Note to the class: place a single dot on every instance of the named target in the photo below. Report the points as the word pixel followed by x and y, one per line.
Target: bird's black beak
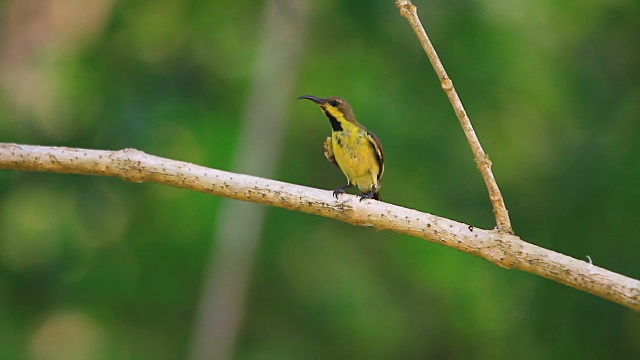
pixel 316 100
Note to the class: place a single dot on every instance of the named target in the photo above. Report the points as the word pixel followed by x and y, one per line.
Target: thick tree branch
pixel 502 249
pixel 410 12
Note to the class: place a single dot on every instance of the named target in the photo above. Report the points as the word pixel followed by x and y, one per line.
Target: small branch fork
pixel 410 12
pixel 502 249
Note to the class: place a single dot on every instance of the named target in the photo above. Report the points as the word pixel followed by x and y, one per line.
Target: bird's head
pixel 333 106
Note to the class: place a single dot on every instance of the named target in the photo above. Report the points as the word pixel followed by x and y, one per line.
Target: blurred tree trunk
pixel 239 225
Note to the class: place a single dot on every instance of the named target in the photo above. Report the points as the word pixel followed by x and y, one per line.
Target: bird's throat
pixel 335 124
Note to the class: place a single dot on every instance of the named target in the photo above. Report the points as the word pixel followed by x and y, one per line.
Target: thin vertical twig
pixel 410 12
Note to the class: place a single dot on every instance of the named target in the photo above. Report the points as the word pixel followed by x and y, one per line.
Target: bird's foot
pixel 340 190
pixel 369 195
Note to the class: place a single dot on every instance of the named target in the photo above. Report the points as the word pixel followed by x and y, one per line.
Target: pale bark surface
pixel 502 249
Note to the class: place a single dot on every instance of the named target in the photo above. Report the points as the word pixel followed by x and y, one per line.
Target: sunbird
pixel 354 149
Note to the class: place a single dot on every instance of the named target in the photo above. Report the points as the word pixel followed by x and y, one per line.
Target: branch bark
pixel 500 248
pixel 410 12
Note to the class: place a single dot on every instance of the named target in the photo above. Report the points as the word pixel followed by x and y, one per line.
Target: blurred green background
pixel 96 268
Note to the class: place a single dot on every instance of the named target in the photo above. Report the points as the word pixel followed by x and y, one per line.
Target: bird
pixel 354 149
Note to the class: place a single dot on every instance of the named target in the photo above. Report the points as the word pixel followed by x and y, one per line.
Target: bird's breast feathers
pixel 356 157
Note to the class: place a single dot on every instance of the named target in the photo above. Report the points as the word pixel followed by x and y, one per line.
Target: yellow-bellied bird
pixel 353 148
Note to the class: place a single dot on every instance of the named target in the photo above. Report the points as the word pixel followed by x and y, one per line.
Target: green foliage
pixel 551 89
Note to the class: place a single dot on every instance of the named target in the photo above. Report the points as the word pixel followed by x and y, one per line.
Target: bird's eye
pixel 335 103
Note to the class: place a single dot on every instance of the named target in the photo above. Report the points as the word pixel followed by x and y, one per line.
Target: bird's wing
pixel 328 150
pixel 377 146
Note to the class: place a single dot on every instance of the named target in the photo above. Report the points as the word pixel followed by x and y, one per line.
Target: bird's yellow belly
pixel 357 160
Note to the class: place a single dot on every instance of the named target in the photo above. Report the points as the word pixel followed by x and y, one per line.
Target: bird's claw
pixel 368 195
